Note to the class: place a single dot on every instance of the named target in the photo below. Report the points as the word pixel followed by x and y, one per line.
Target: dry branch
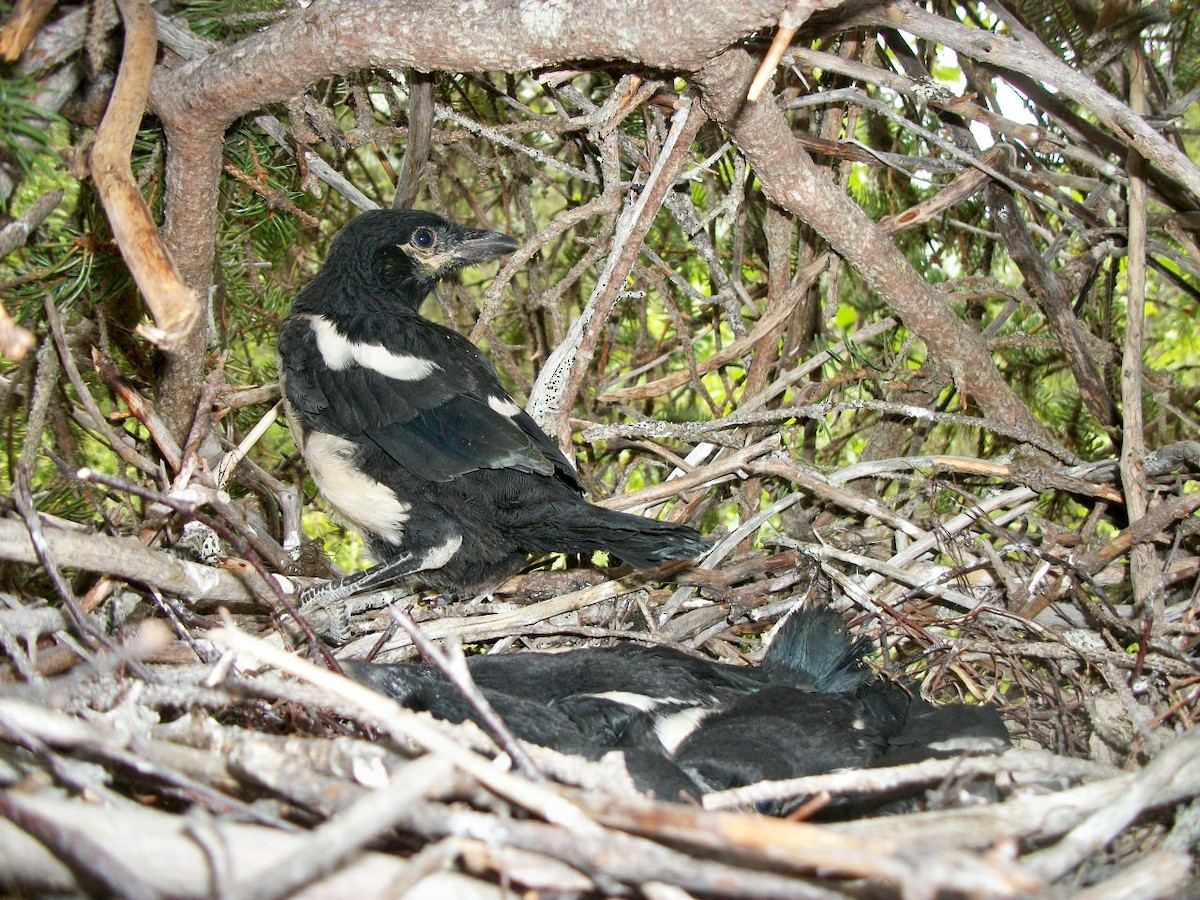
pixel 480 628
pixel 1031 58
pixel 1028 763
pixel 173 305
pixel 405 725
pixel 553 394
pixel 126 558
pixel 20 27
pixel 1144 571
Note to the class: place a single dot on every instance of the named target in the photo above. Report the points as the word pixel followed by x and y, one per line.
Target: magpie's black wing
pixel 421 393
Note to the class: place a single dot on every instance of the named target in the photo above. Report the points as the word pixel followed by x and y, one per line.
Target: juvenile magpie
pixel 694 725
pixel 409 434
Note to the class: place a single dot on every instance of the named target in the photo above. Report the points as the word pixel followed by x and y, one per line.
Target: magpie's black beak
pixel 479 246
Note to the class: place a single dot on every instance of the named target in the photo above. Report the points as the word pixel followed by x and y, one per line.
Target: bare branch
pixel 174 306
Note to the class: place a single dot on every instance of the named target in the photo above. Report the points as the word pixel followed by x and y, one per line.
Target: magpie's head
pixel 402 254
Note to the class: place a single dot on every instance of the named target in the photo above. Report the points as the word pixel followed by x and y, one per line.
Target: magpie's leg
pixel 329 598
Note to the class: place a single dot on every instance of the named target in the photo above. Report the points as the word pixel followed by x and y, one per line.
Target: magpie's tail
pixel 811 649
pixel 641 542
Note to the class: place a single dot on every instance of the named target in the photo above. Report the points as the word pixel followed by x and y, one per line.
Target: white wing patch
pixel 339 353
pixel 968 744
pixel 673 729
pixel 504 406
pixel 640 702
pixel 359 499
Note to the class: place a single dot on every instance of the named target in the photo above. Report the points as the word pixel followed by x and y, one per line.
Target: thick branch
pixel 172 304
pixel 126 558
pixel 330 38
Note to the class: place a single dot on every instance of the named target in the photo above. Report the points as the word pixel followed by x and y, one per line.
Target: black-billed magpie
pixel 692 725
pixel 409 434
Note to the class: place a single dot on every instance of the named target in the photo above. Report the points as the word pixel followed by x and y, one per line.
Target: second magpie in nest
pixel 693 726
pixel 409 434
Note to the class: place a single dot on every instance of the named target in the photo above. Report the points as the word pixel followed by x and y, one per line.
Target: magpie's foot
pixel 330 592
pixel 325 608
pixel 327 603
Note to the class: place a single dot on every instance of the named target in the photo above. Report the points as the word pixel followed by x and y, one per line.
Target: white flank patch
pixel 358 499
pixel 674 729
pixel 442 553
pixel 339 352
pixel 640 702
pixel 504 406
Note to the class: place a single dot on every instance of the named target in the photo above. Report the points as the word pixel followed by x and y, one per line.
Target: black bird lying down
pixel 690 725
pixel 409 435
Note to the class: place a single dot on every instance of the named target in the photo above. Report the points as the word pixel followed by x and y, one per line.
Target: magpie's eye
pixel 423 238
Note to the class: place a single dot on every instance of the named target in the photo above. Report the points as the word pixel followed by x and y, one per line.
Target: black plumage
pixel 692 725
pixel 409 434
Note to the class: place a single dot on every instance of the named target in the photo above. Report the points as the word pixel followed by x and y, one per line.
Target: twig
pixel 1037 763
pixel 453 665
pixel 568 219
pixel 794 15
pixel 99 422
pixel 164 854
pixel 275 199
pixel 119 748
pixel 230 460
pixel 725 467
pixel 1032 817
pixel 480 628
pixel 420 134
pixel 1034 59
pixel 15 340
pixel 141 408
pixel 923 581
pixel 1074 479
pixel 22 25
pixel 47 372
pixel 1159 874
pixel 779 844
pixel 491 134
pixel 800 285
pixel 1141 531
pixel 739 419
pixel 186 504
pixel 813 481
pixel 557 384
pixel 16 233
